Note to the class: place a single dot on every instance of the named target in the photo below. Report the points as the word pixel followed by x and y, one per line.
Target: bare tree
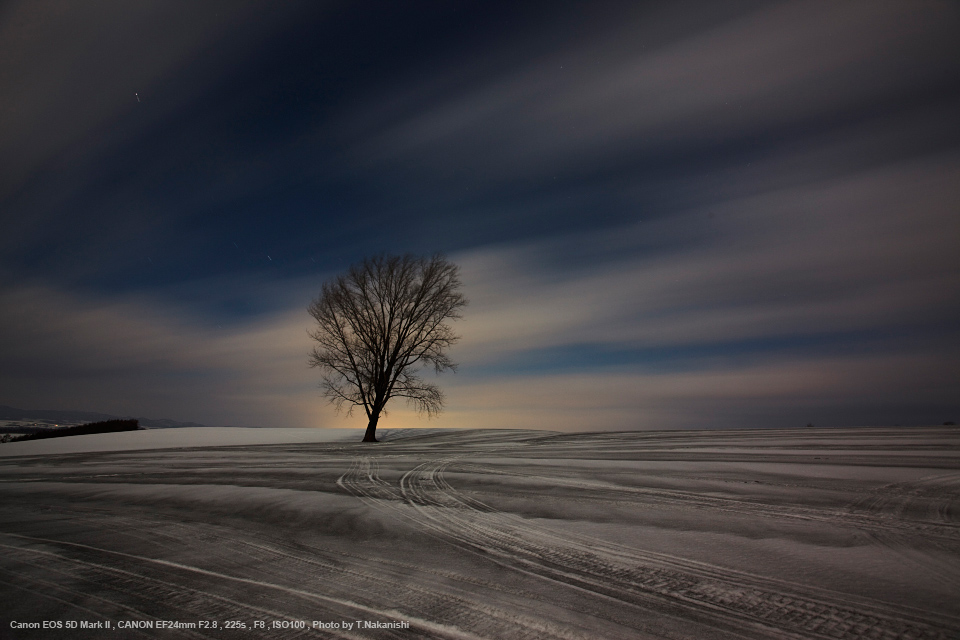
pixel 378 325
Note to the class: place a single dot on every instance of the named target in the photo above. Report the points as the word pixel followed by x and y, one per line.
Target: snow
pixel 491 534
pixel 176 438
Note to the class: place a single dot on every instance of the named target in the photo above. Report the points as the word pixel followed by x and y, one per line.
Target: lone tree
pixel 378 325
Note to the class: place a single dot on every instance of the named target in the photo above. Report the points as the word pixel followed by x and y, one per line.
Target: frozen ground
pixel 812 533
pixel 175 439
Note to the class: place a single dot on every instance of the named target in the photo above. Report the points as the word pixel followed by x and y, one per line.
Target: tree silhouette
pixel 378 325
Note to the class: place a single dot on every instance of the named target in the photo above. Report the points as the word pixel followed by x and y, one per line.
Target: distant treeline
pixel 107 426
pixel 9 429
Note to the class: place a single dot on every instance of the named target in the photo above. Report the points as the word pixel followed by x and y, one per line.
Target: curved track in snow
pixel 484 534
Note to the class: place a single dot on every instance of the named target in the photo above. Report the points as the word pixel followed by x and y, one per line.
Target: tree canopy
pixel 378 325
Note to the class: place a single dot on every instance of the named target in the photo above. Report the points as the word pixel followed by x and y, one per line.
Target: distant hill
pixel 63 418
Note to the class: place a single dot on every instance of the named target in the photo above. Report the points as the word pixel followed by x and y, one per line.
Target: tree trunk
pixel 371 434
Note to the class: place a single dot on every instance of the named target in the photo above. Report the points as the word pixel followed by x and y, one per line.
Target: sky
pixel 667 215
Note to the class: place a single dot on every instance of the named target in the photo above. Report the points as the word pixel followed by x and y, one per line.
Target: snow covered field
pixel 175 439
pixel 812 533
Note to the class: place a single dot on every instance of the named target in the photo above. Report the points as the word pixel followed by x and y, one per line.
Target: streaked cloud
pixel 873 252
pixel 145 356
pixel 861 389
pixel 626 90
pixel 816 264
pixel 686 214
pixel 74 71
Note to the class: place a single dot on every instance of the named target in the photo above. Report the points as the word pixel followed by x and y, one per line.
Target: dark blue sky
pixel 667 214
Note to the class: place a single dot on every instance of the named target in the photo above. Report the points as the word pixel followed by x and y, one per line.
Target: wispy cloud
pixel 777 392
pixel 693 214
pixel 84 91
pixel 846 286
pixel 73 71
pixel 793 298
pixel 145 356
pixel 625 90
pixel 873 252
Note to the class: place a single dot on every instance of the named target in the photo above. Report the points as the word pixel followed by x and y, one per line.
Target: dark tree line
pixel 106 426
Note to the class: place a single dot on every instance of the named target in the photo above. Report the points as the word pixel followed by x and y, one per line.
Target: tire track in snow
pixel 201 604
pixel 277 550
pixel 227 547
pixel 593 599
pixel 735 597
pixel 232 607
pixel 391 500
pixel 36 593
pixel 864 515
pixel 931 499
pixel 363 481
